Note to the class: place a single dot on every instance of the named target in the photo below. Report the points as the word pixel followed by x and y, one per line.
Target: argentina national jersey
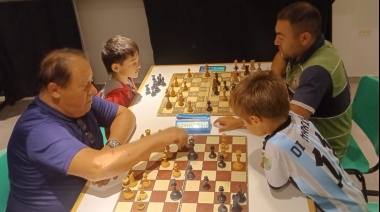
pixel 298 151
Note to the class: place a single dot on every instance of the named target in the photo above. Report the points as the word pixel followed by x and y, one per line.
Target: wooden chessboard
pixel 194 197
pixel 200 91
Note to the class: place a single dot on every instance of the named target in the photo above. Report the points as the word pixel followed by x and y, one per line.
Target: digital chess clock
pixel 194 124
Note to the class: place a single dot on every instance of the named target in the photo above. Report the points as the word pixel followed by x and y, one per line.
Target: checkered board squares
pixel 194 197
pixel 199 92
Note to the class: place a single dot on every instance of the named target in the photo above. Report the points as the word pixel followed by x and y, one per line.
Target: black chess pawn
pixel 206 185
pixel 147 90
pixel 225 87
pixel 240 194
pixel 212 153
pixel 175 194
pixel 222 208
pixel 190 174
pixel 221 196
pixel 163 83
pixel 216 90
pixel 192 155
pixel 246 72
pixel 209 108
pixel 221 163
pixel 236 207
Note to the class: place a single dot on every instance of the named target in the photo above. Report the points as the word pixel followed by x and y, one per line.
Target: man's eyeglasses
pixel 88 134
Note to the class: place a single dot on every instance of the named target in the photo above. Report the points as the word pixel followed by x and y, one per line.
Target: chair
pixel 104 135
pixel 365 113
pixel 4 180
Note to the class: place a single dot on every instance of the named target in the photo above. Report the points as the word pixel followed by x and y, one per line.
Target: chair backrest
pixel 365 109
pixel 4 180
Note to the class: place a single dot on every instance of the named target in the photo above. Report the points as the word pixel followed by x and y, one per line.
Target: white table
pixel 261 197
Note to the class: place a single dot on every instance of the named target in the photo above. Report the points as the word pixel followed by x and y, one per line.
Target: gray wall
pixel 100 19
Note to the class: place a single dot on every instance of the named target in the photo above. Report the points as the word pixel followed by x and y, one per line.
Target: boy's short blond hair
pixel 263 94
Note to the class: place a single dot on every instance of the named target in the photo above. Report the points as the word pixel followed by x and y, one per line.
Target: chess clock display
pixel 194 123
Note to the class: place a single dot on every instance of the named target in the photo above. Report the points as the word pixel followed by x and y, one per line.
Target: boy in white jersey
pixel 293 151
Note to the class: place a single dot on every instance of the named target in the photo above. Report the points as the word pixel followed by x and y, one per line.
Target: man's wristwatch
pixel 113 143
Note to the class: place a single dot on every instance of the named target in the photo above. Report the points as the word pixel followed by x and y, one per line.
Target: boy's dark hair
pixel 55 67
pixel 303 17
pixel 116 50
pixel 262 94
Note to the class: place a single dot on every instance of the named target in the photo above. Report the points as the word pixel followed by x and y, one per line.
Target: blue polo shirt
pixel 40 150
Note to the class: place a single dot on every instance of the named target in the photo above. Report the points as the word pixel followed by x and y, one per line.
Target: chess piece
pixel 222 208
pixel 216 91
pixel 142 135
pixel 167 94
pixel 243 66
pixel 252 65
pixel 143 195
pixel 192 155
pixel 235 65
pixel 145 182
pixel 163 83
pixel 240 194
pixel 128 193
pixel 221 163
pixel 238 165
pixel 147 92
pixel 217 79
pixel 236 207
pixel 188 73
pixel 212 153
pixel 132 180
pixel 223 151
pixel 176 81
pixel 207 73
pixel 189 108
pixel 185 88
pixel 175 194
pixel 172 92
pixel 168 104
pixel 206 185
pixel 140 204
pixel 190 174
pixel 224 97
pixel 246 72
pixel 224 141
pixel 165 163
pixel 259 68
pixel 176 172
pixel 147 132
pixel 180 100
pixel 209 108
pixel 221 196
pixel 168 153
pixel 225 87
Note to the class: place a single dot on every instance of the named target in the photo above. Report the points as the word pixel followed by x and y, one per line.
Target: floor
pixel 10 114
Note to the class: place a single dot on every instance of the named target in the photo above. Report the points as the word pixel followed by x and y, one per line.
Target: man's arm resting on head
pixel 279 64
pixel 95 165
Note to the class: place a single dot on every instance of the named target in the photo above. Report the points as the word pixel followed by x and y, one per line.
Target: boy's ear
pixel 115 67
pixel 255 120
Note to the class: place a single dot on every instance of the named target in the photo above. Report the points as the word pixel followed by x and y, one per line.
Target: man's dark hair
pixel 303 17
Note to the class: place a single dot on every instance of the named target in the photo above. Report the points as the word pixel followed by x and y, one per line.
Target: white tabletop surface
pixel 261 197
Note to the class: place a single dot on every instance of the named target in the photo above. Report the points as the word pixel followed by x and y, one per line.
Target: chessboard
pixel 193 192
pixel 198 89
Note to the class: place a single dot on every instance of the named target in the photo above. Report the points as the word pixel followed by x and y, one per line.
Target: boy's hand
pixel 228 123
